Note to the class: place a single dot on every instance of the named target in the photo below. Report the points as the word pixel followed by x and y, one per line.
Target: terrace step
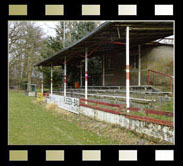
pixel 132 88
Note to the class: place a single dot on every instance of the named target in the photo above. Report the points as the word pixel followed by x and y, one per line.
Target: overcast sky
pixel 48 27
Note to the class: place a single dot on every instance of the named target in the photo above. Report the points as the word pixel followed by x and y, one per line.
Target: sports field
pixel 33 123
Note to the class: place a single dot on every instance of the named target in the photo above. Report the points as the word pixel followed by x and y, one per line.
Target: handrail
pixel 102 103
pixel 150 111
pixel 120 106
pixel 122 111
pixel 160 73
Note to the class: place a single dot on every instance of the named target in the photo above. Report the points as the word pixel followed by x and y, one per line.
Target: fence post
pixel 171 89
pixel 86 74
pixel 146 112
pixel 96 104
pixel 120 108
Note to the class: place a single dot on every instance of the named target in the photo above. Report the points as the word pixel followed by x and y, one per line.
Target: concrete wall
pixel 159 58
pixel 161 132
pixel 68 103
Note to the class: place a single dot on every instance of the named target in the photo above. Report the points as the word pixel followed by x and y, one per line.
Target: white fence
pixel 69 103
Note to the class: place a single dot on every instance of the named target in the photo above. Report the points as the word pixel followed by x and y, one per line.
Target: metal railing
pixel 120 109
pixel 162 74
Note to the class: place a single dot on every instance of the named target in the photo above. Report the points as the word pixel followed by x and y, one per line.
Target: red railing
pixel 123 111
pixel 97 103
pixel 146 118
pixel 163 74
pixel 150 111
pixel 46 94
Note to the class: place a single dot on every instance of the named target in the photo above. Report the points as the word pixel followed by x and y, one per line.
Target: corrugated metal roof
pixel 103 38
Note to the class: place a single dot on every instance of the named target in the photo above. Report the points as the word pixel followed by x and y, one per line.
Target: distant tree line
pixel 28 46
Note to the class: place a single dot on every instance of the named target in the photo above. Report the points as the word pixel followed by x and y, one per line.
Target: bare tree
pixel 25 48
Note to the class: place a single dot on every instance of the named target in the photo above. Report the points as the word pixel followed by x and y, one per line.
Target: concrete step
pixel 132 88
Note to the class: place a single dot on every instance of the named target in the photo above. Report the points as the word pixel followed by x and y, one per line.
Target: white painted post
pixel 65 76
pixel 127 70
pixel 65 65
pixel 103 66
pixel 86 74
pixel 51 79
pixel 81 84
pixel 42 86
pixel 139 66
pixel 64 36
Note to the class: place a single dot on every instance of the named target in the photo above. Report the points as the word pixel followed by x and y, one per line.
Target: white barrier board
pixel 68 103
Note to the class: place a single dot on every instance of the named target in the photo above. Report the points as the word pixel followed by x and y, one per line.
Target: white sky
pixel 48 27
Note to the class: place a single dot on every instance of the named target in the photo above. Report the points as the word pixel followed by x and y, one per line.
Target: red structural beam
pixel 96 48
pixel 102 43
pixel 118 43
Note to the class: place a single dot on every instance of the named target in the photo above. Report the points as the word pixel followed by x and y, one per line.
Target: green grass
pixel 168 106
pixel 31 124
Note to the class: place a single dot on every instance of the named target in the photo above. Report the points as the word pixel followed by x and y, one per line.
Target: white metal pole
pixel 86 74
pixel 64 36
pixel 51 79
pixel 127 69
pixel 81 84
pixel 139 66
pixel 42 86
pixel 103 66
pixel 65 67
pixel 65 76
